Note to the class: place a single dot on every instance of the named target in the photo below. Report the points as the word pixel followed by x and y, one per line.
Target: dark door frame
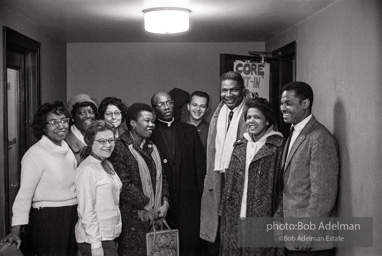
pixel 31 95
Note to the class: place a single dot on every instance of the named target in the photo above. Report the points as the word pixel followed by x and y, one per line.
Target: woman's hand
pixel 97 252
pixel 153 215
pixel 13 237
pixel 162 211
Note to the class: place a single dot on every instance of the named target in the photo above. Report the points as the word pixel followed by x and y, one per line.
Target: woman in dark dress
pixel 144 195
pixel 253 185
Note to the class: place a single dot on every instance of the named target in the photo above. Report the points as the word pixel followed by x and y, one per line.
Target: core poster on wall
pixel 255 75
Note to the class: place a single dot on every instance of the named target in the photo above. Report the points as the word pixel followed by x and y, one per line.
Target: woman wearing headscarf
pixel 253 185
pixel 113 111
pixel 144 196
pixel 47 197
pixel 98 189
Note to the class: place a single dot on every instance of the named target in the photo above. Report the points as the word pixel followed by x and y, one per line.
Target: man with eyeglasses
pixel 84 111
pixel 183 160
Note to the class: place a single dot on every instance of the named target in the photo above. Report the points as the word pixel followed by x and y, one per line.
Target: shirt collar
pixel 235 109
pixel 169 123
pixel 298 127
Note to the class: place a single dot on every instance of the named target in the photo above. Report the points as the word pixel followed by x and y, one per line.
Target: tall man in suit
pixel 311 164
pixel 226 127
pixel 184 162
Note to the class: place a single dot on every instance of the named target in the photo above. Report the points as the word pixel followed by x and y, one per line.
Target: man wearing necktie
pixel 310 165
pixel 227 125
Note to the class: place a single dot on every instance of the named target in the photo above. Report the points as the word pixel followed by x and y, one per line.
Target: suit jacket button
pixel 258 202
pixel 261 173
pixel 165 161
pixel 229 198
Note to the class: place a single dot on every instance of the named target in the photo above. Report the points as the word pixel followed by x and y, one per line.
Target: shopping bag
pixel 163 242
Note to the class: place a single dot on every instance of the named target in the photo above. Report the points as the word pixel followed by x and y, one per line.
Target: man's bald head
pixel 163 105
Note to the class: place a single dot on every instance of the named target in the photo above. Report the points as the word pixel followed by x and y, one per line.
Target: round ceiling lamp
pixel 166 20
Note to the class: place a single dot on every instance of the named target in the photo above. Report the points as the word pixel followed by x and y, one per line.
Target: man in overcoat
pixel 310 165
pixel 184 160
pixel 227 125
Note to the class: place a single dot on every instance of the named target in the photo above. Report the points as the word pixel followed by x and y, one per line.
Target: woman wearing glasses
pixel 144 196
pixel 47 185
pixel 98 189
pixel 113 111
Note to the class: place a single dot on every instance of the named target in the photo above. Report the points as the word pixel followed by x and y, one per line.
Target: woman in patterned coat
pixel 144 195
pixel 253 185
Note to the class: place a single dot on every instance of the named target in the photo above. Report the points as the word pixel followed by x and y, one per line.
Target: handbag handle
pixel 165 223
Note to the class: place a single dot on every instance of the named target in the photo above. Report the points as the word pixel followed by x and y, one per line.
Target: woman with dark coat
pixel 144 195
pixel 253 185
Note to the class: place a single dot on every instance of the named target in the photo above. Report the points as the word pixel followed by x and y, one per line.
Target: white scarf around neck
pixel 225 139
pixel 253 148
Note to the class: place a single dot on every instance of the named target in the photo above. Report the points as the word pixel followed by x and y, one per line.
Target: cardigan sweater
pixel 98 204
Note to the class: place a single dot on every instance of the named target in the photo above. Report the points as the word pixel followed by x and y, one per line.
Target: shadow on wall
pixel 344 207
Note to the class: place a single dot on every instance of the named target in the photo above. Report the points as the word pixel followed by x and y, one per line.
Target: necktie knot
pixel 229 118
pixel 291 131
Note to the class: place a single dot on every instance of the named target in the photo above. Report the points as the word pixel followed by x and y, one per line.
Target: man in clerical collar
pixel 83 111
pixel 184 163
pixel 227 125
pixel 197 108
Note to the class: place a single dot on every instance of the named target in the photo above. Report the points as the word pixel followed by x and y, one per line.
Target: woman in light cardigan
pixel 47 185
pixel 98 189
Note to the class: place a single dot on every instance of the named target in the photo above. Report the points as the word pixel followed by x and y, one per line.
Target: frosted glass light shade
pixel 166 20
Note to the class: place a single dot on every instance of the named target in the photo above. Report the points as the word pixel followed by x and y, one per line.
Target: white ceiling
pixel 122 20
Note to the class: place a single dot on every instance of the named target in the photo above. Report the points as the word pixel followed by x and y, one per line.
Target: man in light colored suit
pixel 311 164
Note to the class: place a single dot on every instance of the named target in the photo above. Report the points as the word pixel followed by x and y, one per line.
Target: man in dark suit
pixel 184 161
pixel 311 165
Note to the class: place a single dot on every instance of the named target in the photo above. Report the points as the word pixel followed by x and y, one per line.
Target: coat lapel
pixel 300 138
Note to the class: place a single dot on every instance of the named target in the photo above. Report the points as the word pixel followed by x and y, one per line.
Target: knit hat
pixel 79 99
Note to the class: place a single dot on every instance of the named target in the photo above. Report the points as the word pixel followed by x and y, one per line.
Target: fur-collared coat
pixel 264 196
pixel 75 145
pixel 132 240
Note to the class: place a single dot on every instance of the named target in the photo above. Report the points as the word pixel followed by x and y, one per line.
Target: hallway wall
pixel 339 54
pixel 135 71
pixel 53 75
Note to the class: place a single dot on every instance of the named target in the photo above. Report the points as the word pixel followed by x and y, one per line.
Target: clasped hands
pixel 159 213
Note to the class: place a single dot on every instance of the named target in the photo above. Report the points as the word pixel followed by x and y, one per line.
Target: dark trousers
pixel 109 249
pixel 53 230
pixel 330 252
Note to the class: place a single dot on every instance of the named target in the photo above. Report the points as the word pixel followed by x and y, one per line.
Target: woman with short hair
pixel 113 111
pixel 253 185
pixel 98 189
pixel 47 185
pixel 145 194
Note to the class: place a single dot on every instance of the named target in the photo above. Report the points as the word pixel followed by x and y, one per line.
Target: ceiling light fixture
pixel 166 20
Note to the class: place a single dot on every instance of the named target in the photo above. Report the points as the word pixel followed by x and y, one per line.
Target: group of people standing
pixel 100 176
